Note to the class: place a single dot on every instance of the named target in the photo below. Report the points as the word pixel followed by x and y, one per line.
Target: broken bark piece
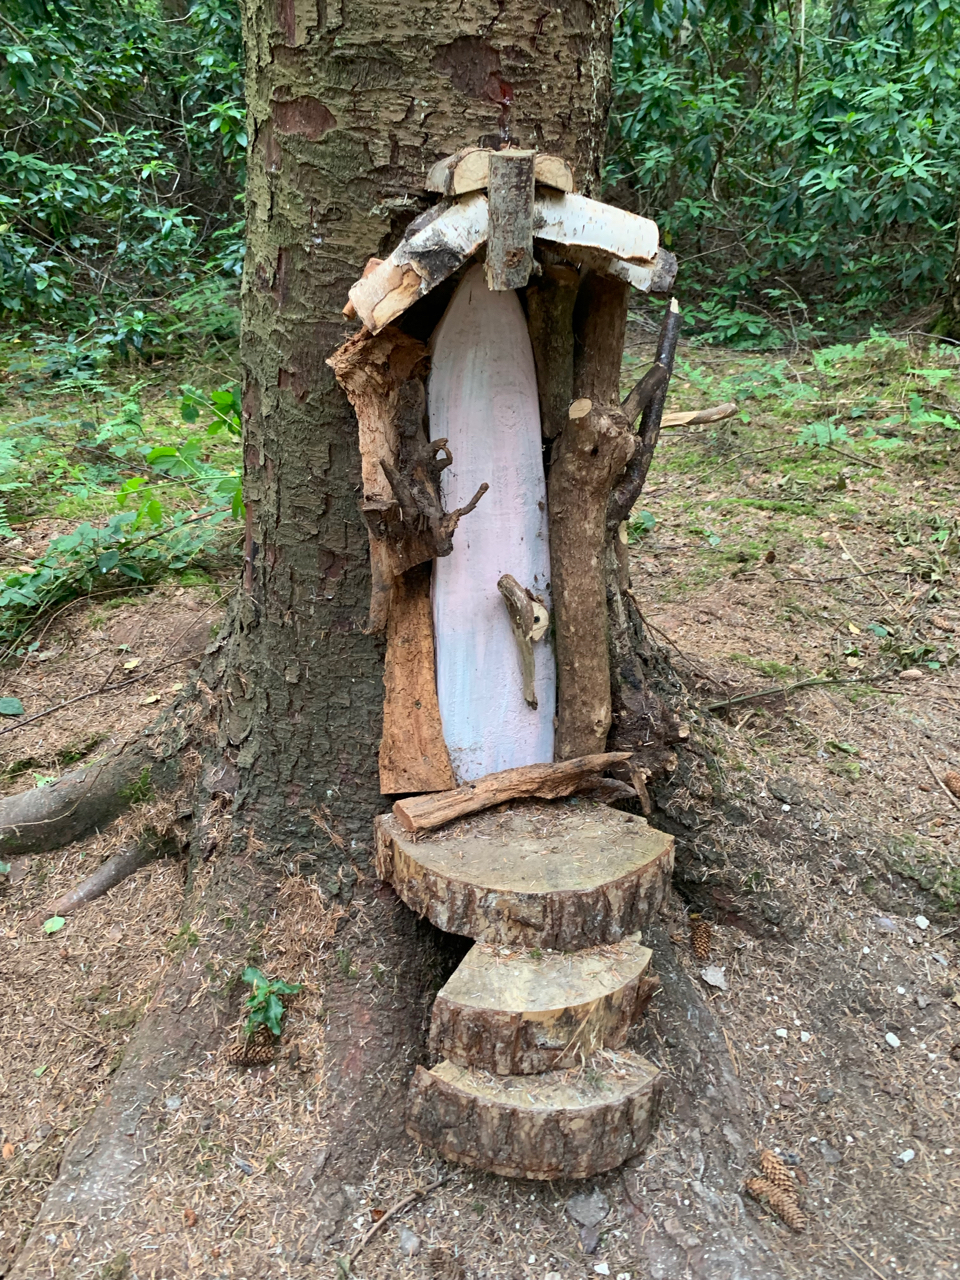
pixel 374 370
pixel 550 300
pixel 469 170
pixel 382 375
pixel 526 1012
pixel 510 229
pixel 557 1125
pixel 529 619
pixel 577 220
pixel 656 277
pixel 552 876
pixel 413 754
pixel 435 245
pixel 548 781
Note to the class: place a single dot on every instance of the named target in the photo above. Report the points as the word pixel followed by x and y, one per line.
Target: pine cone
pixel 256 1050
pixel 777 1173
pixel 951 780
pixel 783 1203
pixel 700 938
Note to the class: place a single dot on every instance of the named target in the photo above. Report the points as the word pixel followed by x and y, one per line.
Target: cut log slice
pixel 526 1012
pixel 561 876
pixel 559 1125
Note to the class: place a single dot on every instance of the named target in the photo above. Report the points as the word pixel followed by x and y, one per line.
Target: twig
pixel 852 557
pixel 91 693
pixel 847 577
pixel 392 1213
pixel 859 1256
pixel 704 675
pixel 942 785
pixel 813 683
pixel 864 462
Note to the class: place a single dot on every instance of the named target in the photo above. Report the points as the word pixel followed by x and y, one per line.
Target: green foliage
pixel 803 160
pixel 122 154
pixel 264 1001
pixel 54 924
pixel 11 707
pixel 169 486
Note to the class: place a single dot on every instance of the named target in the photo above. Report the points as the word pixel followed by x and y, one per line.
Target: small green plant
pixel 640 526
pixel 345 963
pixel 264 1003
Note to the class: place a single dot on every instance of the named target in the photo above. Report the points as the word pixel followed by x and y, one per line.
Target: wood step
pixel 564 1124
pixel 562 875
pixel 524 1012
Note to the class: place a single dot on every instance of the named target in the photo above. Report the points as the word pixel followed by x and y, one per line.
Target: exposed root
pixel 49 817
pixel 109 875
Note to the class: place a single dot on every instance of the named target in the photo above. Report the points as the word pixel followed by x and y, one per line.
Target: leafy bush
pixel 803 159
pixel 122 155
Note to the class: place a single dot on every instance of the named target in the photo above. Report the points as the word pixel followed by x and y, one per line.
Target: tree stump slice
pixel 526 1012
pixel 560 876
pixel 562 1124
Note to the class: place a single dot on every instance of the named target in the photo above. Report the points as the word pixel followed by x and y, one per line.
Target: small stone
pixel 826 1095
pixel 588 1209
pixel 892 1040
pixel 589 1239
pixel 922 1001
pixel 771 911
pixel 911 673
pixel 409 1243
pixel 781 1032
pixel 553 1275
pixel 601 1269
pixel 901 991
pixel 714 977
pixel 886 924
pixel 921 922
pixel 906 1156
pixel 830 1154
pixel 789 1101
pixel 805 1037
pixel 173 1103
pixel 243 1165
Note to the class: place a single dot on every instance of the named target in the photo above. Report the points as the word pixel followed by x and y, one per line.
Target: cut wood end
pixel 468 170
pixel 546 1126
pixel 579 409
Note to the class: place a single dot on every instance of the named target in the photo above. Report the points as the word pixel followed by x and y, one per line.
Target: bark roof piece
pixel 445 237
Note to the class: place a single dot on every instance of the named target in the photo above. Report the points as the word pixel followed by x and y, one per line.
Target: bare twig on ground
pixel 392 1212
pixel 852 557
pixel 813 683
pixel 91 693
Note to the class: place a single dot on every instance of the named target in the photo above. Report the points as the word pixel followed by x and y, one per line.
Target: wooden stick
pixel 626 493
pixel 695 417
pixel 641 395
pixel 391 1213
pixel 547 781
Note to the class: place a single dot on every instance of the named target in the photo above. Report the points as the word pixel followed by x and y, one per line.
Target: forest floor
pixel 812 538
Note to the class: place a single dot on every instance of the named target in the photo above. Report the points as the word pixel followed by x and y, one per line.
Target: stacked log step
pixel 533 1081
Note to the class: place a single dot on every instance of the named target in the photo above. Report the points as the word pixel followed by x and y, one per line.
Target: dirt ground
pixel 820 845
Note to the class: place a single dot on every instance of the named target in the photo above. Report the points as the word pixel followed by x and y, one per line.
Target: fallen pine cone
pixel 254 1051
pixel 951 780
pixel 777 1173
pixel 783 1204
pixel 700 938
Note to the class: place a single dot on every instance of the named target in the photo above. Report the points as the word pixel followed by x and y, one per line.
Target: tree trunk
pixel 348 112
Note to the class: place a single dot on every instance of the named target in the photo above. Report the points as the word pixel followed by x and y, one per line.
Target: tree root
pixel 83 800
pixel 110 874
